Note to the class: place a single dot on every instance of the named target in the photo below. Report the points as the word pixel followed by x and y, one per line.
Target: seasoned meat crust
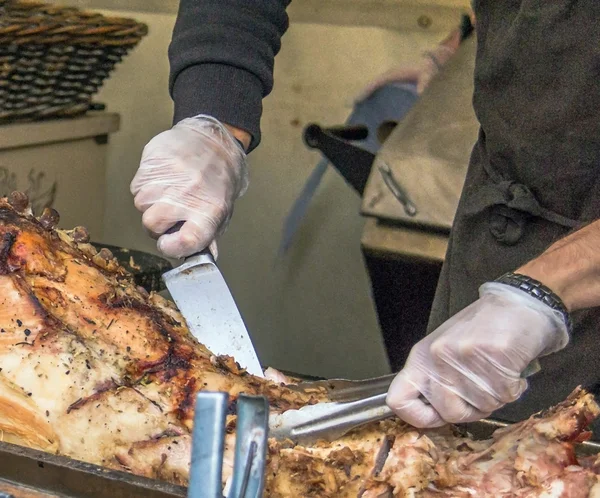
pixel 93 368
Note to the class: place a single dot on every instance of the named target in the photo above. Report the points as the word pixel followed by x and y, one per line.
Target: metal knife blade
pixel 204 299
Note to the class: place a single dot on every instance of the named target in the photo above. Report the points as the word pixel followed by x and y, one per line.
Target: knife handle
pixel 206 252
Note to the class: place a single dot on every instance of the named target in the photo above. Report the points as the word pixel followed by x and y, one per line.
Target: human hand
pixel 419 74
pixel 471 365
pixel 192 173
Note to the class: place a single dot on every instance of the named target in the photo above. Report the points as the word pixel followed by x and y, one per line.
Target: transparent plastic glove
pixel 471 365
pixel 192 173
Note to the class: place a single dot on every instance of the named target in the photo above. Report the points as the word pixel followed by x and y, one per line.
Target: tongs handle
pixel 348 390
pixel 332 420
pixel 343 390
pixel 208 442
pixel 208 446
pixel 327 421
pixel 346 417
pixel 250 447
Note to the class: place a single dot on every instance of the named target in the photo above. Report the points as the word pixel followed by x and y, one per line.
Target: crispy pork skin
pixel 93 368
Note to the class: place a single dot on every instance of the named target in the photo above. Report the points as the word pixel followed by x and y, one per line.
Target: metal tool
pixel 330 421
pixel 327 421
pixel 201 294
pixel 25 472
pixel 388 178
pixel 208 446
pixel 250 447
pixel 351 148
pixel 346 390
pixel 343 390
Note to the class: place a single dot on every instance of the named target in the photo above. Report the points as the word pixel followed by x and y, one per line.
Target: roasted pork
pixel 93 368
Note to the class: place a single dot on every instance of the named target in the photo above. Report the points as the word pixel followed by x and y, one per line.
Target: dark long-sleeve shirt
pixel 222 55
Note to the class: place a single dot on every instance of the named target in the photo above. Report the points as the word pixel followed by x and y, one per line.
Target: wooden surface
pixel 60 164
pixel 428 152
pixel 395 241
pixel 57 130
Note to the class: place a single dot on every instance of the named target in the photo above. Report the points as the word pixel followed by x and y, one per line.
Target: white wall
pixel 312 311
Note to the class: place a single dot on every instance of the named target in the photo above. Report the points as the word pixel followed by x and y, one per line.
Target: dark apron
pixel 534 174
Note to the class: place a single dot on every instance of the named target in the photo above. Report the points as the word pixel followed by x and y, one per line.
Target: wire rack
pixel 54 59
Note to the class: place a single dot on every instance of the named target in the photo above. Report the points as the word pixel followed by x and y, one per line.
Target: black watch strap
pixel 538 290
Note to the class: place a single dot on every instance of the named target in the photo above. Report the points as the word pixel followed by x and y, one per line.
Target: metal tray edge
pixel 73 478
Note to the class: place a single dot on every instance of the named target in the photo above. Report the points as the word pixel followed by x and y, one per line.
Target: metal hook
pixel 409 208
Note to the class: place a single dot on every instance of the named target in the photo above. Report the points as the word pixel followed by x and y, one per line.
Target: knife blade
pixel 205 301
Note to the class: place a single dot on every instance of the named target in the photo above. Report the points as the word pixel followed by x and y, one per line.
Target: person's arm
pixel 221 56
pixel 473 363
pixel 427 68
pixel 571 268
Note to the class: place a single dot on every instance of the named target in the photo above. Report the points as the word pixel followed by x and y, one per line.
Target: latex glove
pixel 471 365
pixel 192 173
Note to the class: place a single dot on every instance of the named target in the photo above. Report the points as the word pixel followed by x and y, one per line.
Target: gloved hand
pixel 192 173
pixel 471 365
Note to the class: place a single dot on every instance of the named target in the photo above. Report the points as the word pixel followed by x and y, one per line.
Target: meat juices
pixel 93 368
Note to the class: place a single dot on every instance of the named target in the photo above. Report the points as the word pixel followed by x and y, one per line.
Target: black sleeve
pixel 221 58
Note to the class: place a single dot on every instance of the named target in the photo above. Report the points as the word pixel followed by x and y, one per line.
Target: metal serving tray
pixel 26 473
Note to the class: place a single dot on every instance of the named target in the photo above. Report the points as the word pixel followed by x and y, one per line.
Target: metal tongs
pixel 208 446
pixel 327 421
pixel 354 403
pixel 346 390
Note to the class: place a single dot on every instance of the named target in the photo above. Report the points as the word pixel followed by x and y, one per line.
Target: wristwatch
pixel 539 291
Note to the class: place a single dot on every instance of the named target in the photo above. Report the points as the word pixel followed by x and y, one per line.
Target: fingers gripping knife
pixel 208 447
pixel 201 294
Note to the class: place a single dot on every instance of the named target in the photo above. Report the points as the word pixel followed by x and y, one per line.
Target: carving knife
pixel 205 301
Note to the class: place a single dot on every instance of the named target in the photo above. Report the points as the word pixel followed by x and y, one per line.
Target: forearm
pixel 243 136
pixel 571 268
pixel 222 57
